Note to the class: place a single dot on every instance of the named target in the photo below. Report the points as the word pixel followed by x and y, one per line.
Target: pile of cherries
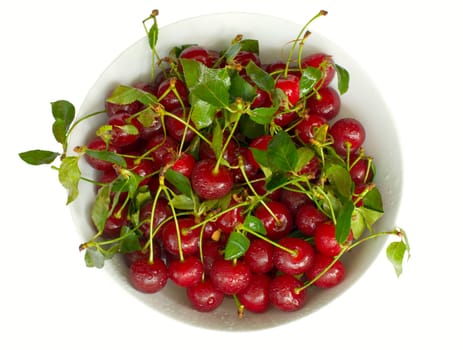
pixel 192 198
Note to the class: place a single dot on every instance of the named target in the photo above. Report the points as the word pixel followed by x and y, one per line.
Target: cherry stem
pixel 224 148
pixel 298 38
pixel 88 116
pixel 268 240
pixel 153 210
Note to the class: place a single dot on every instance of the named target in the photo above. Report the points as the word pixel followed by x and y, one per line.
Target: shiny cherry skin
pixel 326 104
pixel 230 277
pixel 184 164
pixel 162 211
pixel 186 273
pixel 125 129
pixel 331 278
pixel 189 237
pixel 204 296
pixel 362 171
pixel 308 217
pixel 148 277
pixel 283 294
pixel 97 144
pixel 305 129
pixel 290 87
pixel 259 256
pixel 293 264
pixel 275 229
pixel 323 62
pixel 255 297
pixel 209 184
pixel 173 99
pixel 325 239
pixel 199 54
pixel 348 134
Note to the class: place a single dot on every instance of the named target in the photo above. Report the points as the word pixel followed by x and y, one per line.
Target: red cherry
pixel 185 164
pixel 308 217
pixel 189 237
pixel 148 277
pixel 347 131
pixel 210 185
pixel 97 144
pixel 283 293
pixel 305 129
pixel 259 256
pixel 230 277
pixel 332 277
pixel 255 297
pixel 290 86
pixel 325 239
pixel 323 62
pixel 186 273
pixel 293 264
pixel 276 229
pixel 204 297
pixel 326 104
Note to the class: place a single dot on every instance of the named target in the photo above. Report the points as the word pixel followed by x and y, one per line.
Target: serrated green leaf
pixel 236 246
pixel 108 156
pixel 179 181
pixel 343 79
pixel 100 208
pixel 240 88
pixel 254 224
pixel 250 45
pixel 208 84
pixel 130 241
pixel 282 152
pixel 63 110
pixel 183 202
pixel 370 216
pixel 304 156
pixel 340 179
pixel 69 176
pixel 260 156
pixel 343 221
pixel 395 253
pixel 373 200
pixel 263 115
pixel 309 78
pixel 94 258
pixel 260 77
pixel 250 128
pixel 124 95
pixel 276 179
pixel 358 225
pixel 202 113
pixel 38 157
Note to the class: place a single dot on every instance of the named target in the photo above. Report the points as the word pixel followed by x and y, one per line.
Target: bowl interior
pixel 362 101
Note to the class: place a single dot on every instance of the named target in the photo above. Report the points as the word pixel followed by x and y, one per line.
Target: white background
pixel 56 50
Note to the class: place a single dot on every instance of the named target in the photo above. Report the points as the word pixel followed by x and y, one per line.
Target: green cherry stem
pixel 268 240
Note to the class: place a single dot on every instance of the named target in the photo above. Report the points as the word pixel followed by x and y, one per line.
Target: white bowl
pixel 362 101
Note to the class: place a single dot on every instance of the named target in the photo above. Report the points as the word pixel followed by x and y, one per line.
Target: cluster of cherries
pixel 187 245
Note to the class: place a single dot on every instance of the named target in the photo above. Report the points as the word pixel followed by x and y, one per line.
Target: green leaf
pixel 130 241
pixel 254 224
pixel 259 76
pixel 108 156
pixel 100 209
pixel 59 130
pixel 63 110
pixel 250 128
pixel 38 157
pixel 250 45
pixel 343 79
pixel 239 87
pixel 202 113
pixel 282 152
pixel 153 34
pixel 260 157
pixel 395 253
pixel 180 182
pixel 304 156
pixel 217 139
pixel 263 115
pixel 340 179
pixel 69 176
pixel 236 246
pixel 276 179
pixel 309 78
pixel 183 202
pixel 358 225
pixel 208 84
pixel 232 51
pixel 370 216
pixel 94 258
pixel 343 221
pixel 373 200
pixel 124 95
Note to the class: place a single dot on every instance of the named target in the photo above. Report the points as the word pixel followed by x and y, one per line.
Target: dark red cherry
pixel 362 171
pixel 284 295
pixel 142 167
pixel 308 217
pixel 231 218
pixel 325 239
pixel 230 277
pixel 161 212
pixel 186 273
pixel 348 133
pixel 259 256
pixel 148 277
pixel 323 62
pixel 293 199
pixel 305 129
pixel 290 87
pixel 178 129
pixel 204 296
pixel 199 54
pixel 116 220
pixel 293 263
pixel 244 57
pixel 332 277
pixel 209 184
pixel 326 104
pixel 255 297
pixel 163 149
pixel 189 237
pixel 125 129
pixel 97 144
pixel 184 164
pixel 175 98
pixel 278 224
